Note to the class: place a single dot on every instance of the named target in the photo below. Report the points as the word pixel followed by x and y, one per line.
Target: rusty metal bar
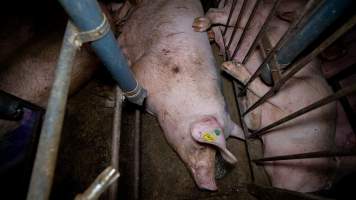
pixel 339 94
pixel 302 62
pixel 137 159
pixel 317 154
pixel 239 17
pixel 230 14
pixel 292 28
pixel 46 155
pixel 239 42
pixel 115 146
pixel 261 31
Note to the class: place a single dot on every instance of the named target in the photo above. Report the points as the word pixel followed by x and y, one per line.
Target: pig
pixel 176 66
pixel 29 72
pixel 314 131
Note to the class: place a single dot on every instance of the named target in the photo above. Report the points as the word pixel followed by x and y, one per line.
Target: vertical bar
pixel 116 133
pixel 46 157
pixel 339 94
pixel 303 61
pixel 317 154
pixel 292 28
pixel 237 23
pixel 87 16
pixel 137 158
pixel 261 31
pixel 230 14
pixel 239 42
pixel 244 129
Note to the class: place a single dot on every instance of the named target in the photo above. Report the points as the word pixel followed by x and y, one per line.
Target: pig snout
pixel 200 160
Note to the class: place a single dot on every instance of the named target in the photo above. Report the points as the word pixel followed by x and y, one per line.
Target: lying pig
pixel 176 66
pixel 313 131
pixel 28 73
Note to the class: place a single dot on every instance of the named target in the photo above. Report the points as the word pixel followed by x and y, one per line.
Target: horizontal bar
pixel 237 23
pixel 339 94
pixel 292 28
pixel 317 154
pixel 238 45
pixel 273 193
pixel 303 61
pixel 234 2
pixel 46 156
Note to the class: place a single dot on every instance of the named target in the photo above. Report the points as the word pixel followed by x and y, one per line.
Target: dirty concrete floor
pixel 85 148
pixel 85 151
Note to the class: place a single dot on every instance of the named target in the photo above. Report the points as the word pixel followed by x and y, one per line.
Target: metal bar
pixel 137 159
pixel 239 42
pixel 244 128
pixel 265 47
pixel 100 184
pixel 87 16
pixel 334 82
pixel 46 157
pixel 303 61
pixel 273 193
pixel 323 17
pixel 292 28
pixel 317 154
pixel 261 31
pixel 239 17
pixel 339 94
pixel 230 14
pixel 115 146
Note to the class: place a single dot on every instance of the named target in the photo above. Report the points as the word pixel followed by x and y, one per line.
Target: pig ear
pixel 216 138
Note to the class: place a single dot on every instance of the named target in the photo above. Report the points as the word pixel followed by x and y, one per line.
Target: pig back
pixel 174 63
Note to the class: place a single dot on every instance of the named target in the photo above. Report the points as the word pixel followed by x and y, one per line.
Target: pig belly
pixel 313 131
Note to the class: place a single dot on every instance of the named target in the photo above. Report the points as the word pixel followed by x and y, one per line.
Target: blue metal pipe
pixel 87 15
pixel 327 13
pixel 304 35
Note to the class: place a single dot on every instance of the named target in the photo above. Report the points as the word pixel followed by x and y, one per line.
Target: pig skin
pixel 29 72
pixel 314 131
pixel 177 67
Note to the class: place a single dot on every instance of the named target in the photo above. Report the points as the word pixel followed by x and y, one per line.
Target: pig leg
pixel 213 16
pixel 252 119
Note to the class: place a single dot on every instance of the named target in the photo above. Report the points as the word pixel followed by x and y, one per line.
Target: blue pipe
pixel 327 14
pixel 87 15
pixel 304 35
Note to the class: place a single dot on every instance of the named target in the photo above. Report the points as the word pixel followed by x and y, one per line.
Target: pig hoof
pixel 211 36
pixel 201 24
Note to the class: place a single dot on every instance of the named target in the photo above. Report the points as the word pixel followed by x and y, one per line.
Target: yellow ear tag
pixel 208 137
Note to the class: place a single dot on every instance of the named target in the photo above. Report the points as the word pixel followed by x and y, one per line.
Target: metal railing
pixel 285 71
